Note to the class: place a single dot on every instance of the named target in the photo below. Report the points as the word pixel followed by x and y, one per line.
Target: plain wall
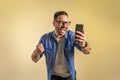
pixel 22 22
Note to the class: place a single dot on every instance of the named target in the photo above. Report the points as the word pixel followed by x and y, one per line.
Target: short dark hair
pixel 58 13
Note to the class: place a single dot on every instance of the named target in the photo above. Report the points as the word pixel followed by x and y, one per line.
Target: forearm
pixel 35 56
pixel 86 49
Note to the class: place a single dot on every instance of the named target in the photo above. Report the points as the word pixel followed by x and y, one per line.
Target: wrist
pixel 86 44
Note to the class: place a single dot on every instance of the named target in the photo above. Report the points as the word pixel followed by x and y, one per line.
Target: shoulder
pixel 47 35
pixel 70 33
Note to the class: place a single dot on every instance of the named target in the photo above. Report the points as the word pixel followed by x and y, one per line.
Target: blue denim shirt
pixel 50 46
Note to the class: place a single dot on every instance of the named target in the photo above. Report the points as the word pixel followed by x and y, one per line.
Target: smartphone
pixel 79 27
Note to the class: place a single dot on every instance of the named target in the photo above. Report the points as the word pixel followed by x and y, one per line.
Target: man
pixel 58 48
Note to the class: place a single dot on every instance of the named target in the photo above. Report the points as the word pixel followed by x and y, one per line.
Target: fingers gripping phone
pixel 79 27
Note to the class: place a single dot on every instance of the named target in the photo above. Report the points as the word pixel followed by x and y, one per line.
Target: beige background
pixel 22 22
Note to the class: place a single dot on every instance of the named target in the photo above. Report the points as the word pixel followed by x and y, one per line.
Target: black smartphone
pixel 79 27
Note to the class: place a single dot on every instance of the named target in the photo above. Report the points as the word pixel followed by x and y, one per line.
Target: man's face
pixel 61 25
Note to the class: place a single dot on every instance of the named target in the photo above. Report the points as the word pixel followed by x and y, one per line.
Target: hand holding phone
pixel 79 27
pixel 80 38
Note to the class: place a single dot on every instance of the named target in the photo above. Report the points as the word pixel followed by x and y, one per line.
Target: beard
pixel 61 31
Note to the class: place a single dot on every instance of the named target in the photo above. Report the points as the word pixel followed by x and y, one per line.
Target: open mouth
pixel 62 30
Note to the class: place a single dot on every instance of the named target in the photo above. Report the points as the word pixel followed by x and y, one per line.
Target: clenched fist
pixel 40 48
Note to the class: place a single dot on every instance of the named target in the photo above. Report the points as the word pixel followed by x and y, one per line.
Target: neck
pixel 58 36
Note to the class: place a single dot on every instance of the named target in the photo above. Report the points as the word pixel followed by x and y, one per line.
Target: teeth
pixel 62 29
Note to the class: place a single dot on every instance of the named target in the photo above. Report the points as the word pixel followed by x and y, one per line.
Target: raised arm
pixel 36 54
pixel 80 38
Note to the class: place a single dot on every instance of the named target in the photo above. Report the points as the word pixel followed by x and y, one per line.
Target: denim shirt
pixel 50 46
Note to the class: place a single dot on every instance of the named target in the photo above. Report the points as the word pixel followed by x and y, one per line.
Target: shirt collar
pixel 66 35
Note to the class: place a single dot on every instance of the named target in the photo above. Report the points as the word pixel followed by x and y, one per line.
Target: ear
pixel 54 23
